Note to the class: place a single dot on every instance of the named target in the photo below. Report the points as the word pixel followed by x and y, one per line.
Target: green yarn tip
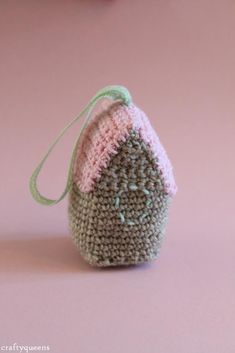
pixel 116 93
pixel 111 92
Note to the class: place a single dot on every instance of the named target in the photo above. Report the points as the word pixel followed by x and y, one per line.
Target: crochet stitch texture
pixel 122 188
pixel 120 183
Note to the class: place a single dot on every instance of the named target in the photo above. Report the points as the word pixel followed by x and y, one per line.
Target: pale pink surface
pixel 101 140
pixel 177 58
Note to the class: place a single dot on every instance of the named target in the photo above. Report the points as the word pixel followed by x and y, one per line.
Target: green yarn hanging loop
pixel 111 92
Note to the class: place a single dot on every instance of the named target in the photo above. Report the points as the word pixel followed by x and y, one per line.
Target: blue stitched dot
pixel 130 223
pixel 143 216
pixel 122 217
pixel 117 202
pixel 133 187
pixel 145 191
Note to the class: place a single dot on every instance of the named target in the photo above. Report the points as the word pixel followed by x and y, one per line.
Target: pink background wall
pixel 178 60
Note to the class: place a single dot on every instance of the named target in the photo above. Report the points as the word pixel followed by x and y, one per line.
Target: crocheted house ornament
pixel 120 184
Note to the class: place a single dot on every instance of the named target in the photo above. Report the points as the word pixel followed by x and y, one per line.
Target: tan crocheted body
pixel 123 219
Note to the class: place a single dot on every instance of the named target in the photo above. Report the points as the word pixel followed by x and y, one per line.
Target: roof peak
pixel 101 140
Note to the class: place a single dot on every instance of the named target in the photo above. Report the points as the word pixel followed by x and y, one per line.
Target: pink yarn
pixel 101 140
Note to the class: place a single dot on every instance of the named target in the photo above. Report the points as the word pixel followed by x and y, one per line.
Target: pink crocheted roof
pixel 102 137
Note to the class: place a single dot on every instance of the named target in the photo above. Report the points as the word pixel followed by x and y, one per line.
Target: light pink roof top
pixel 101 139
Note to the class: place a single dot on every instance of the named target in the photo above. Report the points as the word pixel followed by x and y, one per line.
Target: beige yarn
pixel 111 233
